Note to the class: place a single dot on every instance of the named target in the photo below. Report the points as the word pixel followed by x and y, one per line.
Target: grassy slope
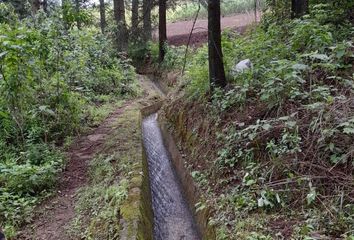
pixel 273 151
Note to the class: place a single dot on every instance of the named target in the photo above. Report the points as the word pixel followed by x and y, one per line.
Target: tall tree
pixel 36 5
pixel 255 10
pixel 147 6
pixel 19 7
pixel 103 22
pixel 45 5
pixel 162 29
pixel 119 16
pixel 216 65
pixel 77 10
pixel 299 8
pixel 135 14
pixel 64 4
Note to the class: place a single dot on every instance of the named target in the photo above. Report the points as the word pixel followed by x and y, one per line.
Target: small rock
pixel 241 66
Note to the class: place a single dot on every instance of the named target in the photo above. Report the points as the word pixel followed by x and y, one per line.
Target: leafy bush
pixel 49 75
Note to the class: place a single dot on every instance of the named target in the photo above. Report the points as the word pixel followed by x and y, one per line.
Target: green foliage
pixel 243 143
pixel 106 200
pixel 103 204
pixel 50 79
pixel 186 11
pixel 197 73
pixel 31 174
pixel 310 35
pixel 336 12
pixel 7 14
pixel 174 57
pixel 284 124
pixel 141 51
pixel 71 16
pixel 21 7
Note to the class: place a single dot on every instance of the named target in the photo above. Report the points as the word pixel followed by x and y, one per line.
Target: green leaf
pixel 340 53
pixel 311 196
pixel 3 54
pixel 200 206
pixel 266 126
pixel 322 57
pixel 299 66
pixel 250 182
pixel 46 110
pixel 348 130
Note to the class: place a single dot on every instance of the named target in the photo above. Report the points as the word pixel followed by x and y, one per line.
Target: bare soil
pixel 178 32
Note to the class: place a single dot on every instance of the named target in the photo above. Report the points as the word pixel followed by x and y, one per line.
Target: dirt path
pixel 178 32
pixel 52 218
pixel 54 214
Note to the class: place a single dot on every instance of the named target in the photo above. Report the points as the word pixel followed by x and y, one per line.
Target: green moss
pixel 130 209
pixel 136 181
pixel 114 189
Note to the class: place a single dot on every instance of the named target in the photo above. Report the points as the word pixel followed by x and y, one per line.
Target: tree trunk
pixel 122 33
pixel 77 9
pixel 45 6
pixel 162 29
pixel 147 6
pixel 135 14
pixel 216 65
pixel 65 13
pixel 255 10
pixel 299 8
pixel 36 5
pixel 103 16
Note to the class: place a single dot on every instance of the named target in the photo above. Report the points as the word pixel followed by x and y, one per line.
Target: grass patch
pixel 109 205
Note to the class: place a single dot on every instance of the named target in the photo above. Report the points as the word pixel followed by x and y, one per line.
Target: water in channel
pixel 172 217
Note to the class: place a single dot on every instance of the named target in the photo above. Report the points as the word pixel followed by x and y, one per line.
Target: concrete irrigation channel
pixel 172 216
pixel 173 194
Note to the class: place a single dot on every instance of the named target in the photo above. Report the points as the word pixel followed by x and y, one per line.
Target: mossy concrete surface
pixel 189 188
pixel 115 203
pixel 197 205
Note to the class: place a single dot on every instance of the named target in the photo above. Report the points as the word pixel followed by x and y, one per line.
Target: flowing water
pixel 172 217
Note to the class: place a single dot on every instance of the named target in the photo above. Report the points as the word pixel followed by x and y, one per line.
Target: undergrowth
pixel 279 137
pixel 54 81
pixel 104 202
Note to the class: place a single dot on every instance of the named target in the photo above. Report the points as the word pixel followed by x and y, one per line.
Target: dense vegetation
pixel 55 80
pixel 276 157
pixel 272 150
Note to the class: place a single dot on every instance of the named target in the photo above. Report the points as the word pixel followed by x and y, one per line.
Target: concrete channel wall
pixel 191 192
pixel 146 221
pixel 189 188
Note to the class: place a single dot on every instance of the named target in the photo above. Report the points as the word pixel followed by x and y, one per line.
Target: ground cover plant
pixel 53 80
pixel 279 136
